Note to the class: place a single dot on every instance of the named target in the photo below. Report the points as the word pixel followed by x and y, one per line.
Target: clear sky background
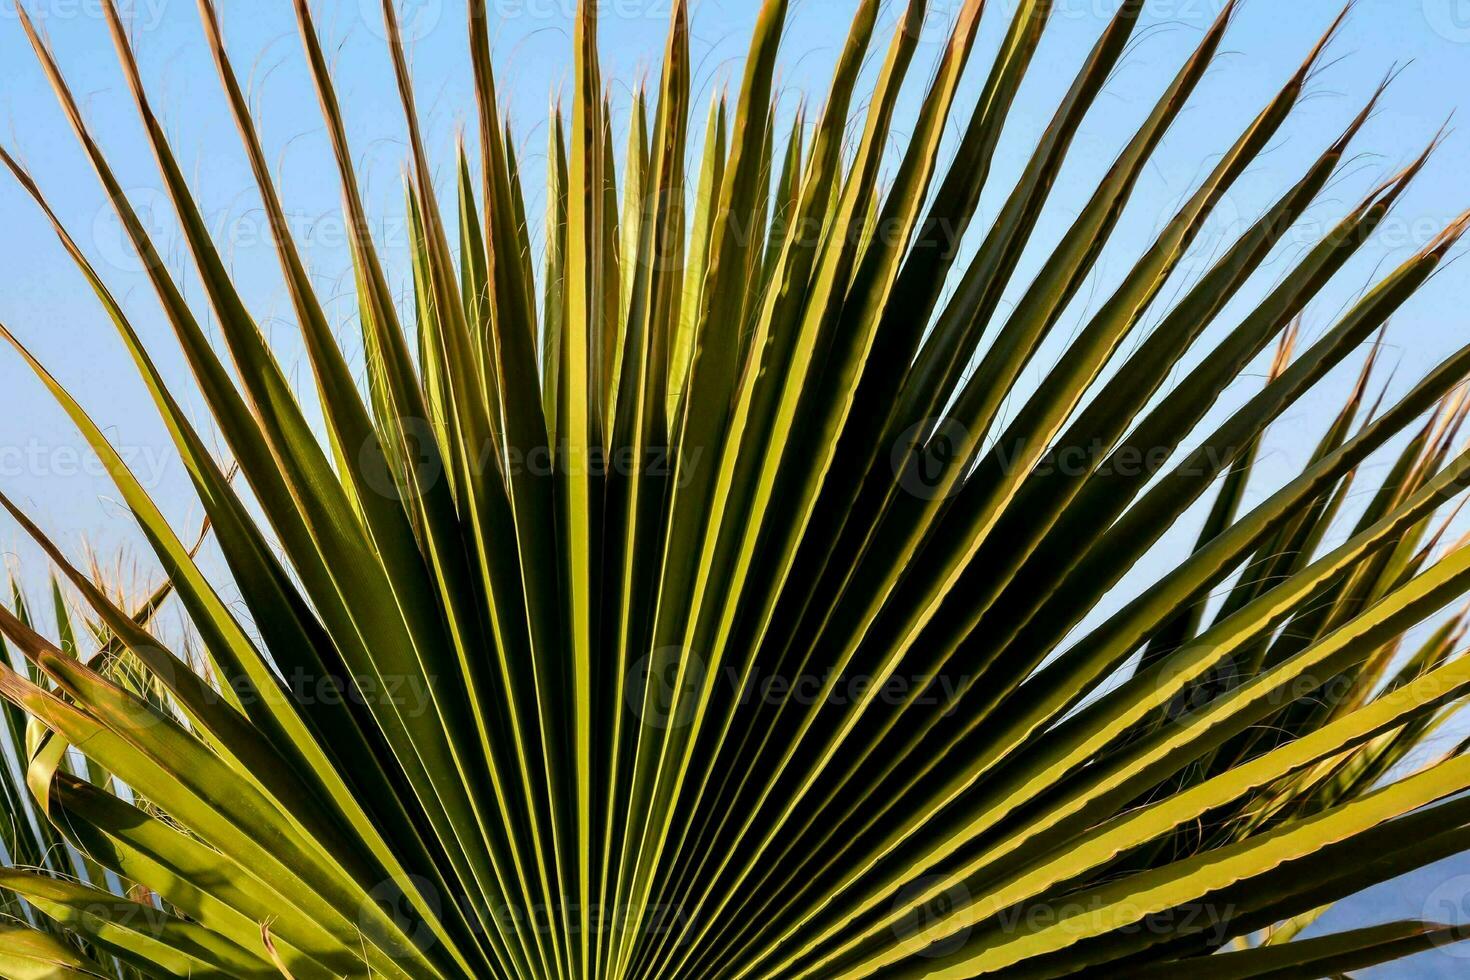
pixel 45 301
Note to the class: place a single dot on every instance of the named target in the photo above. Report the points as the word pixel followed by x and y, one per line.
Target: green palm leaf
pixel 484 709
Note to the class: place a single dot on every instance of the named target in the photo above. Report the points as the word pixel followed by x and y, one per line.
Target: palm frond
pixel 731 592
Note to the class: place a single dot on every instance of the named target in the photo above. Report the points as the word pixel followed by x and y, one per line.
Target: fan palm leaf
pixel 755 421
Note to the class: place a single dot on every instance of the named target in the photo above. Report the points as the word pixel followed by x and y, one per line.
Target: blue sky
pixel 45 302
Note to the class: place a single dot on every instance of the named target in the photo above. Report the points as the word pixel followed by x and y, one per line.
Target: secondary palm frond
pixel 720 597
